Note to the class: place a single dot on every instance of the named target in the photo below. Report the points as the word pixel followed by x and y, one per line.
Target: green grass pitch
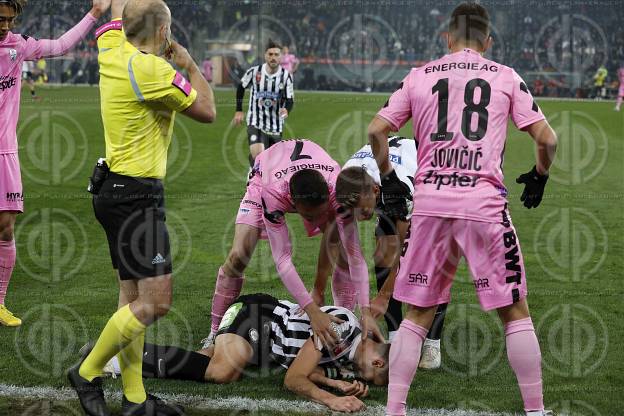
pixel 65 289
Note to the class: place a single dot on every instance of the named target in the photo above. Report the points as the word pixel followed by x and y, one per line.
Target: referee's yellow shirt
pixel 140 95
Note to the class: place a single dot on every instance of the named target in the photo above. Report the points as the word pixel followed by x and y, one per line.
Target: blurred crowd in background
pixel 558 46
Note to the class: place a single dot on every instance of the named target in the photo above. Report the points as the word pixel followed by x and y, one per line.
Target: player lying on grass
pixel 14 50
pixel 294 176
pixel 358 190
pixel 260 331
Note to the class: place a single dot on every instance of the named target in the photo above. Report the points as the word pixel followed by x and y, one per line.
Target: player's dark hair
pixel 272 44
pixel 141 23
pixel 351 184
pixel 470 22
pixel 308 187
pixel 17 5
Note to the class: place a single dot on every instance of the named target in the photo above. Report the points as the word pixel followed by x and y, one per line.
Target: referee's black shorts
pixel 257 136
pixel 132 213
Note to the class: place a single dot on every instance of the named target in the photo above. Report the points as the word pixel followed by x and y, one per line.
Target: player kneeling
pixel 263 332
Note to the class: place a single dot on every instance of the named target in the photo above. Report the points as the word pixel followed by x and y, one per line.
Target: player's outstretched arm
pixel 298 381
pixel 45 48
pixel 324 269
pixel 239 116
pixel 203 108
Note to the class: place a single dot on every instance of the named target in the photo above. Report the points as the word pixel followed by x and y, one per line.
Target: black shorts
pixel 250 317
pixel 386 226
pixel 132 213
pixel 257 136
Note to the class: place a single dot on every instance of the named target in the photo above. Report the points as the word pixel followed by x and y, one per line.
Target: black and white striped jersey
pixel 289 331
pixel 268 94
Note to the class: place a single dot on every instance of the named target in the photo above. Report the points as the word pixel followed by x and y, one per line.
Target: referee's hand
pixel 180 56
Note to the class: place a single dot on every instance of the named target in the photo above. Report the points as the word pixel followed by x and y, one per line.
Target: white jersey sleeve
pixel 402 157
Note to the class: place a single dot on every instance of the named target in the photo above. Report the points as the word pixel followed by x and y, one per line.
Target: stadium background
pixel 63 286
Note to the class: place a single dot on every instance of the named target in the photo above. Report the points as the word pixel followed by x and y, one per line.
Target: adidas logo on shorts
pixel 159 259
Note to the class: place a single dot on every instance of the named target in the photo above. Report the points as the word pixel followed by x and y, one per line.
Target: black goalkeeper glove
pixel 395 197
pixel 534 185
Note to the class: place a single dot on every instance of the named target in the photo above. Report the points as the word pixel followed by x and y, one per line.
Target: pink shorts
pixel 433 248
pixel 621 91
pixel 250 212
pixel 11 195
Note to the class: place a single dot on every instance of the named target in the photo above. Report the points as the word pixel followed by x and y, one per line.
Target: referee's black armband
pixel 240 95
pixel 289 104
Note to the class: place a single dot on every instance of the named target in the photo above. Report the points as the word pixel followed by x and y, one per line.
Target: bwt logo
pixel 14 196
pixel 418 279
pixel 482 284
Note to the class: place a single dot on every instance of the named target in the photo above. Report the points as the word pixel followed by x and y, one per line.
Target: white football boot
pixel 209 340
pixel 430 356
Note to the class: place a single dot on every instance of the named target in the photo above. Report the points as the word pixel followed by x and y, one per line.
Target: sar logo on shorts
pixel 418 279
pixel 253 335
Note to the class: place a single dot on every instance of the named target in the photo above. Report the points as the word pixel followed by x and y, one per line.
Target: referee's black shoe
pixel 153 406
pixel 89 392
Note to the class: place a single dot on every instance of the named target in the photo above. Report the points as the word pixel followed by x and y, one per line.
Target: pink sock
pixel 619 102
pixel 343 289
pixel 7 263
pixel 404 359
pixel 227 290
pixel 525 358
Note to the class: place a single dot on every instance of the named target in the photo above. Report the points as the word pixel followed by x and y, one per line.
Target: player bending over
pixel 358 190
pixel 15 49
pixel 271 101
pixel 460 105
pixel 260 331
pixel 294 176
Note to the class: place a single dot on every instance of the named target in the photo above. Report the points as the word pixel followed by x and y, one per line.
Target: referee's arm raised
pixel 203 109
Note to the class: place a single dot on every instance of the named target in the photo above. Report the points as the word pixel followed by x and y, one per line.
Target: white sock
pixel 432 343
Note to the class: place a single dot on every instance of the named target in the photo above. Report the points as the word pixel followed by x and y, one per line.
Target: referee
pixel 140 94
pixel 271 101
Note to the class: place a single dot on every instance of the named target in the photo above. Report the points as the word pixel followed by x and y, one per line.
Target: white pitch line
pixel 279 406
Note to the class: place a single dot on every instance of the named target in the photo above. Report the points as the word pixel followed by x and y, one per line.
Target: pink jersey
pixel 14 50
pixel 288 62
pixel 273 169
pixel 621 75
pixel 460 106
